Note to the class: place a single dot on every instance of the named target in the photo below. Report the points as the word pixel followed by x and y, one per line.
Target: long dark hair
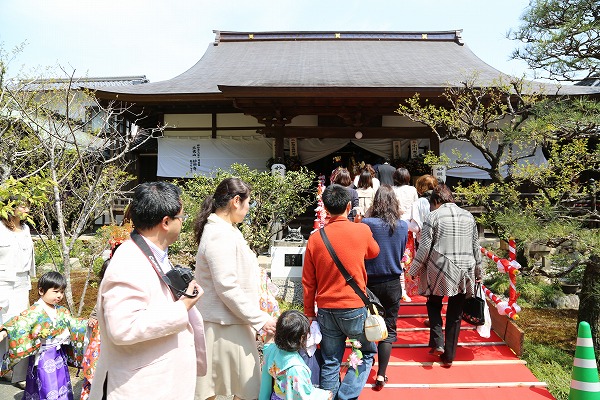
pixel 401 177
pixel 225 191
pixel 365 180
pixel 441 195
pixel 385 206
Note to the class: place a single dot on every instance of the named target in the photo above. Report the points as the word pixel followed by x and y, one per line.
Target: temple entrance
pixel 350 156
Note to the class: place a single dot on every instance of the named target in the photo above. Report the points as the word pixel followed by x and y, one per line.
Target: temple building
pixel 313 98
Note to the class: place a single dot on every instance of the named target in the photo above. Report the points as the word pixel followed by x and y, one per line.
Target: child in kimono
pixel 42 333
pixel 284 373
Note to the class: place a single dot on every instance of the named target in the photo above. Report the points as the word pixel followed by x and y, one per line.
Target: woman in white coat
pixel 229 273
pixel 405 193
pixel 421 208
pixel 17 266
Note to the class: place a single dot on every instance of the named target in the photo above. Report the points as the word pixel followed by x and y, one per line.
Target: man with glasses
pixel 152 342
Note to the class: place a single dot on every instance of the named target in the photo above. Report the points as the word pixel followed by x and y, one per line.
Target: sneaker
pixel 406 299
pixel 21 385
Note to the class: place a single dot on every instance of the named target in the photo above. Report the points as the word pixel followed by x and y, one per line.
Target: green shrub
pixel 273 199
pixel 97 265
pixel 498 285
pixel 534 291
pixel 48 251
pixel 284 306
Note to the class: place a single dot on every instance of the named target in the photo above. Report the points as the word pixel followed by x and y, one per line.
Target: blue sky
pixel 163 38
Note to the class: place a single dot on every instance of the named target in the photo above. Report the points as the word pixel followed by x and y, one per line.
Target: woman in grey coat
pixel 448 263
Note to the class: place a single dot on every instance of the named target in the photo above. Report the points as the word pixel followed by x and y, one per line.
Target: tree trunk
pixel 60 219
pixel 589 300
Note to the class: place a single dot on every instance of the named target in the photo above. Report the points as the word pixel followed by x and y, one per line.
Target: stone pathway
pixel 10 392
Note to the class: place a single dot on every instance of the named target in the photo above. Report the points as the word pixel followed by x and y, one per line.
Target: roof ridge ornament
pixel 459 38
pixel 290 36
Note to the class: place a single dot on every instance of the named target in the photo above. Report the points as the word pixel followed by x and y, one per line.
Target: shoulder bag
pixel 474 307
pixel 375 328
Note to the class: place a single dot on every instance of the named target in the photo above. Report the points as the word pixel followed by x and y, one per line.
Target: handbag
pixel 474 308
pixel 375 328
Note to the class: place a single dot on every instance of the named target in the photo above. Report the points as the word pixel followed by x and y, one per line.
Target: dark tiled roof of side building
pixel 84 82
pixel 591 81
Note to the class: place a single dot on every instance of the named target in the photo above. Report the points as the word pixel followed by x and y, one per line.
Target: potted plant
pixel 571 282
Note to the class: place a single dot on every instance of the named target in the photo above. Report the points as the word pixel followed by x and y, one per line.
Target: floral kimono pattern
pixel 90 360
pixel 286 376
pixel 267 300
pixel 412 284
pixel 28 331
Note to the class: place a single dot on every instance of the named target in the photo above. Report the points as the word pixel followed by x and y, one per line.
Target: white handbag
pixel 375 329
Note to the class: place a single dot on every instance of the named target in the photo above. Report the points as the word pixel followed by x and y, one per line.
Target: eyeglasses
pixel 182 217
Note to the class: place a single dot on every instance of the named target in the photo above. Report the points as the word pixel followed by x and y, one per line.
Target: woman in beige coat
pixel 228 271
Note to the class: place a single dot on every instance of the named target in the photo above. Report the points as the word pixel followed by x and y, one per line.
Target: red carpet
pixel 484 368
pixel 459 373
pixel 504 393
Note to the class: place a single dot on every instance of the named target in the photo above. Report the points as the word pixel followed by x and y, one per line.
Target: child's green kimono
pixel 286 376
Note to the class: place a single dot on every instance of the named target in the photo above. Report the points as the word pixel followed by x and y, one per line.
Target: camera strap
pixel 141 243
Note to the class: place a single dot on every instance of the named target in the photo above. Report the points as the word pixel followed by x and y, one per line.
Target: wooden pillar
pixel 434 144
pixel 213 134
pixel 279 153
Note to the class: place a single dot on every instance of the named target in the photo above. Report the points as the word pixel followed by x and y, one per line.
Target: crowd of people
pixel 163 332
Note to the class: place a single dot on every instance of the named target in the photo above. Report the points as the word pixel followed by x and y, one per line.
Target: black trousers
pixel 453 321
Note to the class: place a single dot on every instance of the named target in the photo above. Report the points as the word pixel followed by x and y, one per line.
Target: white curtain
pixel 381 147
pixel 311 150
pixel 468 151
pixel 384 147
pixel 185 157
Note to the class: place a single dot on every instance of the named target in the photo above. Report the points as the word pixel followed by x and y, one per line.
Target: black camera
pixel 180 278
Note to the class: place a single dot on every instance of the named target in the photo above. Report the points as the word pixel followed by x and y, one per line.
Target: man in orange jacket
pixel 341 313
